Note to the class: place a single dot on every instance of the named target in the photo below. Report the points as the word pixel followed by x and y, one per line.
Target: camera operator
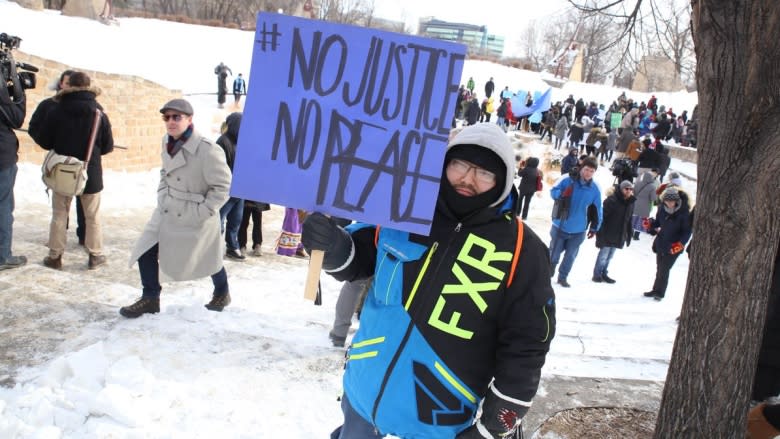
pixel 12 113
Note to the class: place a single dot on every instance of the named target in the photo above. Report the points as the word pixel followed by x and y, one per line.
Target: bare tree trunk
pixel 737 221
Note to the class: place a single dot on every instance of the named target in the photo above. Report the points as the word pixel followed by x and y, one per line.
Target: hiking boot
pixel 257 251
pixel 96 261
pixel 653 294
pixel 13 262
pixel 597 279
pixel 563 283
pixel 607 279
pixel 55 263
pixel 337 341
pixel 218 302
pixel 235 254
pixel 144 305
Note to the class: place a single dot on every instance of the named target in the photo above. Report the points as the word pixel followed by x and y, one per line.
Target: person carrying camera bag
pixel 66 130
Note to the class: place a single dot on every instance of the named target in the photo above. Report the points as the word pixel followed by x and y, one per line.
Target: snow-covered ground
pixel 264 367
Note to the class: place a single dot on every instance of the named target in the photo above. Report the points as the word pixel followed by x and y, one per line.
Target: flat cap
pixel 180 105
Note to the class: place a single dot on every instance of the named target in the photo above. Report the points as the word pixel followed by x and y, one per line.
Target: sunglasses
pixel 175 117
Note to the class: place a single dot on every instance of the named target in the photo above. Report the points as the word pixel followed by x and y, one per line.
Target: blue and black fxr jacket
pixel 442 319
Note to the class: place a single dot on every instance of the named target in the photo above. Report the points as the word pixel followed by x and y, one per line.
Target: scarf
pixel 174 145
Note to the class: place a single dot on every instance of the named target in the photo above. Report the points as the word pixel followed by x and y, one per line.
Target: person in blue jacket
pixel 461 316
pixel 568 231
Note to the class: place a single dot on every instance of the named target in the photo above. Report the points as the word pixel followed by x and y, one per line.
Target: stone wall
pixel 683 153
pixel 131 103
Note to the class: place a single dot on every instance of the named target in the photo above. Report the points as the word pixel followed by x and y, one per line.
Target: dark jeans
pixel 233 211
pixel 602 261
pixel 354 427
pixel 149 267
pixel 567 243
pixel 7 182
pixel 663 264
pixel 524 203
pixel 257 227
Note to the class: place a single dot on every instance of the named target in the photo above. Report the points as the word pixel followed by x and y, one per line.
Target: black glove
pixel 320 232
pixel 574 172
pixel 500 418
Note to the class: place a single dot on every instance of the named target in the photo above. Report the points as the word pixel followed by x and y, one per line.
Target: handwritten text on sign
pixel 346 120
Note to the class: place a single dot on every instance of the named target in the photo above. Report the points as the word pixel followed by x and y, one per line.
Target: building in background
pixel 656 73
pixel 476 38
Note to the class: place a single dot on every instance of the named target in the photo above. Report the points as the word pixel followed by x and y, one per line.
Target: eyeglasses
pixel 175 117
pixel 461 168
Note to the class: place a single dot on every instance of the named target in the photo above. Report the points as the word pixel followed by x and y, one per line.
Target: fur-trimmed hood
pixel 92 89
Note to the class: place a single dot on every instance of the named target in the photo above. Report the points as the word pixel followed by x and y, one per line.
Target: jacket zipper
pixel 408 332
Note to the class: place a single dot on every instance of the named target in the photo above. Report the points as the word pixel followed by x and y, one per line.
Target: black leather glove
pixel 320 232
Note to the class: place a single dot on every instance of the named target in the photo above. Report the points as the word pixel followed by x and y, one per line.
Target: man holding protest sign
pixel 463 315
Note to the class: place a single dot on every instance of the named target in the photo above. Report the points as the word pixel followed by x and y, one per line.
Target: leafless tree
pixel 737 227
pixel 531 43
pixel 672 35
pixel 358 12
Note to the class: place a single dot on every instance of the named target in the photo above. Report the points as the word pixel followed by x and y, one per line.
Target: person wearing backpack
pixel 530 183
pixel 474 333
pixel 66 129
pixel 568 231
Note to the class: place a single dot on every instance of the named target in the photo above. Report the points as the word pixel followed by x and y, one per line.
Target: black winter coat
pixel 473 112
pixel 38 118
pixel 675 227
pixel 67 127
pixel 528 176
pixel 11 117
pixel 616 223
pixel 649 158
pixel 229 140
pixel 513 328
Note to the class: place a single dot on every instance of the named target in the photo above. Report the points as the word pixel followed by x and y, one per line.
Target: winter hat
pixel 671 194
pixel 490 137
pixel 481 157
pixel 626 184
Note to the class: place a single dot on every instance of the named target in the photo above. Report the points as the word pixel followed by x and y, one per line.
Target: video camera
pixel 27 77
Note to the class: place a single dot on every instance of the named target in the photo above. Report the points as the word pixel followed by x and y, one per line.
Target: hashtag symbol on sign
pixel 269 37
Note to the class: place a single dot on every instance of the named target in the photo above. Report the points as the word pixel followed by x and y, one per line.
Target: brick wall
pixel 131 103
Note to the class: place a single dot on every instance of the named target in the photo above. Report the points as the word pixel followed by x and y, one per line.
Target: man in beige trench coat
pixel 182 239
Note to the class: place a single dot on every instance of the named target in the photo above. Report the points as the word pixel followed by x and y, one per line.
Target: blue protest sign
pixel 347 121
